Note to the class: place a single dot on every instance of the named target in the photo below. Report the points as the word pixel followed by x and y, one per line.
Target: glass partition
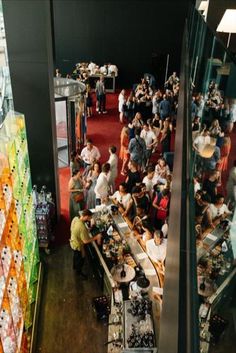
pixel 213 175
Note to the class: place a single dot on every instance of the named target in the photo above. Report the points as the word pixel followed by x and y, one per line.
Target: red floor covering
pixel 104 130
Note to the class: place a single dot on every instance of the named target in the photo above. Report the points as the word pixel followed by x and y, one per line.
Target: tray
pixel 130 320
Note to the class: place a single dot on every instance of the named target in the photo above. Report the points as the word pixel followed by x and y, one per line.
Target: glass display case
pixel 19 265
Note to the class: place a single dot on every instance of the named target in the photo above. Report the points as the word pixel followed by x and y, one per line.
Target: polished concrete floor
pixel 67 322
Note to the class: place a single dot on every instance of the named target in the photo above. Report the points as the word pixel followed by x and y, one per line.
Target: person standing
pixel 89 101
pixel 165 108
pixel 101 95
pixel 150 140
pixel 124 149
pixel 137 149
pixel 121 105
pixel 90 154
pixel 102 186
pixel 80 237
pixel 113 161
pixel 75 188
pixel 90 183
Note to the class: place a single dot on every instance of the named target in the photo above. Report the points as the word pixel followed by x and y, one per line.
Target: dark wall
pixel 29 44
pixel 216 11
pixel 135 35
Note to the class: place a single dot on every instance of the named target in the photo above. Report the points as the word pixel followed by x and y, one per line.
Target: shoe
pixel 104 112
pixel 99 112
pixel 97 109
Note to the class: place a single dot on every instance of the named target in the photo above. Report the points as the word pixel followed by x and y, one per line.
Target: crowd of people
pixel 148 118
pixel 211 128
pixel 143 197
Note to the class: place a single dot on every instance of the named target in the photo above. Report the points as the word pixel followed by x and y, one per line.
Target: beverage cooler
pixel 19 264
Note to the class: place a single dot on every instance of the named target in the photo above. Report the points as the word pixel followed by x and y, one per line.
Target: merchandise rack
pixel 19 262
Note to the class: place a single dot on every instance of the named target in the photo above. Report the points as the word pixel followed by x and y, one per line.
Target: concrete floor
pixel 67 322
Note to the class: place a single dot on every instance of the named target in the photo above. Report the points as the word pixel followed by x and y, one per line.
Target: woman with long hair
pixel 124 150
pixel 90 183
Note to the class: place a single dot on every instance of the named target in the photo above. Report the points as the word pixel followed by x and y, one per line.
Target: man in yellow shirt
pixel 79 237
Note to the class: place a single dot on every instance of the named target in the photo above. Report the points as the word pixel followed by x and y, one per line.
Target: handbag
pixel 78 197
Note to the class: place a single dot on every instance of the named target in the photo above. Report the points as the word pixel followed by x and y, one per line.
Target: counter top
pixel 141 258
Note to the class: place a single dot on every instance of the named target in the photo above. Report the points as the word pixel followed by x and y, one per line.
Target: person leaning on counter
pixel 156 247
pixel 80 237
pixel 218 210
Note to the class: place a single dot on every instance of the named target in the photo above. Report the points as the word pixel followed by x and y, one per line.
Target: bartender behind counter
pixel 80 237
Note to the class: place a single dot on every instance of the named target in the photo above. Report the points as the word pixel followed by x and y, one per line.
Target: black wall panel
pixel 29 43
pixel 136 35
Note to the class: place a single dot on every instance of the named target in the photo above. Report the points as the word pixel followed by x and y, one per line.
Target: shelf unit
pixel 19 264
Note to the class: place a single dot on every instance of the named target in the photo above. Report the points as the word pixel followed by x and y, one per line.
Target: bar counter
pixel 110 286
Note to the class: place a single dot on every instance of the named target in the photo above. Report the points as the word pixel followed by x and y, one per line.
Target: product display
pixel 18 238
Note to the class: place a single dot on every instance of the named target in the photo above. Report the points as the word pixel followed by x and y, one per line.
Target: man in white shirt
pixel 201 141
pixel 90 154
pixel 113 161
pixel 150 140
pixel 156 248
pixel 148 180
pixel 102 186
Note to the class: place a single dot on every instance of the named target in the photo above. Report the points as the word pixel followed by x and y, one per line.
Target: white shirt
pixel 149 184
pixel 122 199
pixel 149 137
pixel 90 156
pixel 113 161
pixel 201 141
pixel 112 69
pixel 102 187
pixel 216 212
pixel 121 100
pixel 103 70
pixel 156 252
pixel 92 67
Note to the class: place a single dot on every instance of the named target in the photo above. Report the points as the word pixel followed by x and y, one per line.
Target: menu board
pixel 19 256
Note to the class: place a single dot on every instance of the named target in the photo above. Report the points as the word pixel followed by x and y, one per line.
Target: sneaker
pixel 104 112
pixel 97 109
pixel 99 113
